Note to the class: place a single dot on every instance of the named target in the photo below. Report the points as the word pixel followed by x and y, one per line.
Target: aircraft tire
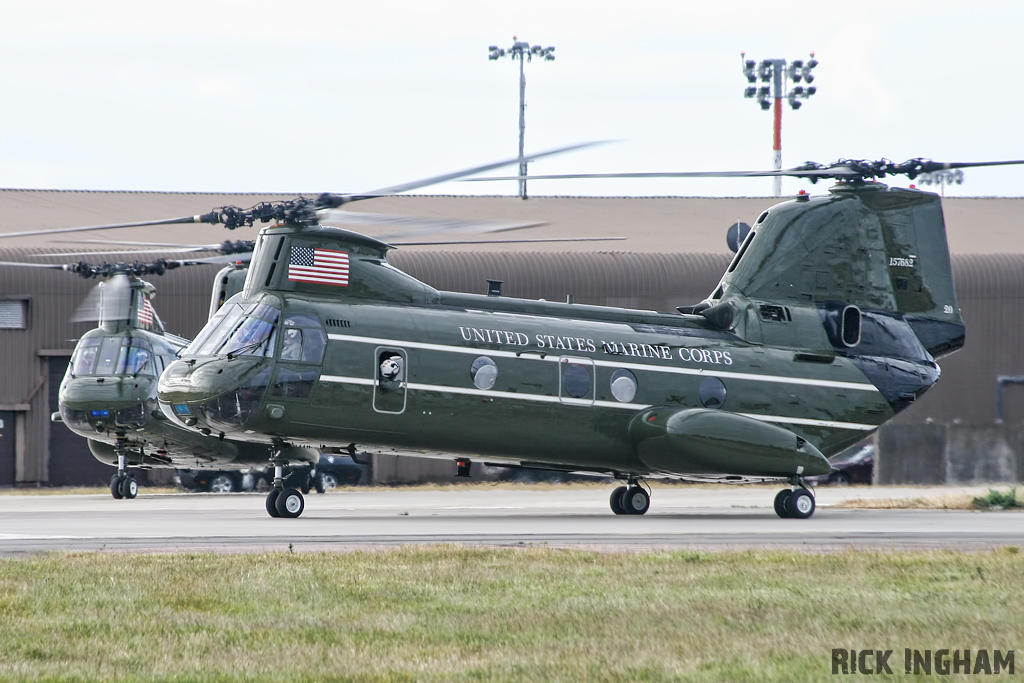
pixel 272 503
pixel 115 487
pixel 801 504
pixel 129 487
pixel 616 501
pixel 635 501
pixel 781 503
pixel 289 503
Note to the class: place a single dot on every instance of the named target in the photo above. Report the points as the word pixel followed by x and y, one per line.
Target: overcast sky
pixel 309 96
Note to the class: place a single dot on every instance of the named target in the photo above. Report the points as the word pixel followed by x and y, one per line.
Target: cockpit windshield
pixel 113 356
pixel 238 329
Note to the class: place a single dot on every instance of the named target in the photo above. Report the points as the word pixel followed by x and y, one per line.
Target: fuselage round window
pixel 484 373
pixel 712 392
pixel 623 385
pixel 576 380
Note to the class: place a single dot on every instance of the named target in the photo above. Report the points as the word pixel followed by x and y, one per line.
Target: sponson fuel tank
pixel 698 440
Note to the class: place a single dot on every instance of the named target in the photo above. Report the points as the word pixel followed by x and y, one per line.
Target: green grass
pixel 532 614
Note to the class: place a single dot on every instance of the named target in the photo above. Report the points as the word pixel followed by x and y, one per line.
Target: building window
pixel 13 314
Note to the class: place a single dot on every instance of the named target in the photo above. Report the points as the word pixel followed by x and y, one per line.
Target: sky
pixel 310 96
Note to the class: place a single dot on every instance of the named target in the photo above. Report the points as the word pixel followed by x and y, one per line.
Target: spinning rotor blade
pixel 435 180
pixel 411 226
pixel 108 301
pixel 844 169
pixel 86 228
pixel 300 211
pixel 542 239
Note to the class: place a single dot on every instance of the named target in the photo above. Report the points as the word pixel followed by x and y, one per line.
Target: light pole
pixel 524 53
pixel 942 178
pixel 774 71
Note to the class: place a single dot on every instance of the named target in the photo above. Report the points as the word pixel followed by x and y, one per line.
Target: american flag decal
pixel 322 266
pixel 146 312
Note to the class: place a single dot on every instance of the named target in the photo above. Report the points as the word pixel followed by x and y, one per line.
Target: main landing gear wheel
pixel 616 501
pixel 115 487
pixel 129 487
pixel 289 503
pixel 781 500
pixel 272 503
pixel 635 501
pixel 796 503
pixel 800 504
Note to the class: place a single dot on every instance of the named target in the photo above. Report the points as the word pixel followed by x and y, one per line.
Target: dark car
pixel 218 481
pixel 331 471
pixel 855 465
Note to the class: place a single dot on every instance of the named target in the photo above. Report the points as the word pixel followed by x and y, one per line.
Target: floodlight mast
pixel 775 71
pixel 523 52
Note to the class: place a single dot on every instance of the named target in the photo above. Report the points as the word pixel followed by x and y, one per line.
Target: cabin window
pixel 484 372
pixel 576 380
pixel 623 385
pixel 712 392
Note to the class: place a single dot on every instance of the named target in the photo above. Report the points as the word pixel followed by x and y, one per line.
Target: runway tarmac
pixel 680 517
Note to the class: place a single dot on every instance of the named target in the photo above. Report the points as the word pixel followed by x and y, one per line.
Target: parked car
pixel 855 465
pixel 218 481
pixel 330 472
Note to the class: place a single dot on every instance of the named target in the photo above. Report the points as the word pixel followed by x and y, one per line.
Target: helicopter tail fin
pixel 864 247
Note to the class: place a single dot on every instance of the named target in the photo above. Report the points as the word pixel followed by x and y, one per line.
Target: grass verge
pixel 536 614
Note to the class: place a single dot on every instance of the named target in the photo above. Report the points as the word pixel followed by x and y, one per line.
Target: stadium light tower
pixel 524 53
pixel 773 74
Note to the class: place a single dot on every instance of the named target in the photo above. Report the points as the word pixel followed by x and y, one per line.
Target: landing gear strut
pixel 123 484
pixel 281 501
pixel 632 499
pixel 796 502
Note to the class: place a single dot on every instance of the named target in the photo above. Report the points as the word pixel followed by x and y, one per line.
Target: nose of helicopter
pixel 216 393
pixel 111 402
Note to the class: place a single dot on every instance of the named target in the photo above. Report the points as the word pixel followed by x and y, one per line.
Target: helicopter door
pixel 390 385
pixel 576 380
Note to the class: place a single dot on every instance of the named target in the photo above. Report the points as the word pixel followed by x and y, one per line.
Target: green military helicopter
pixel 108 394
pixel 827 323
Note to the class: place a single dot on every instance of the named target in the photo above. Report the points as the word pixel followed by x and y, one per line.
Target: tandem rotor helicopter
pixel 109 392
pixel 827 323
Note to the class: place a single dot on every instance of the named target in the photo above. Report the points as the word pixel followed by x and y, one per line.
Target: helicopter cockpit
pixel 254 348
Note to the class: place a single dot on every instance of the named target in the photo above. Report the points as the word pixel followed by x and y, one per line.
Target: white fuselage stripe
pixel 553 356
pixel 541 398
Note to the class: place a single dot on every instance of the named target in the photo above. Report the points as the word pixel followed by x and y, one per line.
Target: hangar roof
pixel 650 224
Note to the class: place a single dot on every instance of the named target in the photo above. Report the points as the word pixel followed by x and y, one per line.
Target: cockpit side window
pixel 304 339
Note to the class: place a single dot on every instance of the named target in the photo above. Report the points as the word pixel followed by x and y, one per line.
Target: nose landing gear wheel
pixel 616 501
pixel 289 503
pixel 781 501
pixel 635 501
